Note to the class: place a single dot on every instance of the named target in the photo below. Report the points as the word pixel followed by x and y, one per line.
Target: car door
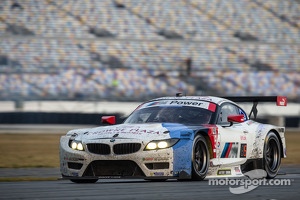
pixel 233 137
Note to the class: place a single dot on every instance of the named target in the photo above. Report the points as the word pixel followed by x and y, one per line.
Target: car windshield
pixel 178 114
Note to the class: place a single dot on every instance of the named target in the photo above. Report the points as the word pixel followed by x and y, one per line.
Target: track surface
pixel 140 189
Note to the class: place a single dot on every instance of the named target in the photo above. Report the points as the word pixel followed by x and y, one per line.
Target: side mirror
pixel 235 118
pixel 110 120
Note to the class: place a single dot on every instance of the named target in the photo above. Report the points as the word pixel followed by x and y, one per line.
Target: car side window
pixel 227 110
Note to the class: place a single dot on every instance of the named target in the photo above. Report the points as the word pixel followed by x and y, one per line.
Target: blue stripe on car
pixel 182 150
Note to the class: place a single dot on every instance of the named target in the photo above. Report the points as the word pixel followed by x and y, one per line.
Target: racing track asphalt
pixel 137 188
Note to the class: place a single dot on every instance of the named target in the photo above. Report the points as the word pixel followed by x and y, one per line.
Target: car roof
pixel 213 99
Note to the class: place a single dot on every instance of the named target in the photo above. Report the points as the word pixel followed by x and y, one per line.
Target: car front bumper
pixel 147 164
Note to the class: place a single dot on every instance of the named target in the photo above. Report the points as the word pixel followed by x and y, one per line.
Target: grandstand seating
pixel 286 10
pixel 250 17
pixel 255 83
pixel 135 49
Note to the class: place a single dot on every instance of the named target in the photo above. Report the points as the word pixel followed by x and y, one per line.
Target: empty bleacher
pixel 136 49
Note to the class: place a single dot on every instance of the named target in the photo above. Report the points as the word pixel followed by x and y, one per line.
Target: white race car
pixel 180 137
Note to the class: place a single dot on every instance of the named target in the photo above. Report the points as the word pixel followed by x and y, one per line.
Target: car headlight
pixel 76 145
pixel 161 144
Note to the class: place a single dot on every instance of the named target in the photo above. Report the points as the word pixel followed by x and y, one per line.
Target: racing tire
pixel 272 155
pixel 84 180
pixel 200 158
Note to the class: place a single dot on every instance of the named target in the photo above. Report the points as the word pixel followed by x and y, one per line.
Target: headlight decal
pixel 76 145
pixel 161 144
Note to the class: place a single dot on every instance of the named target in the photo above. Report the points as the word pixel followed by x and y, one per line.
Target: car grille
pixel 119 149
pixel 120 168
pixel 98 148
pixel 126 148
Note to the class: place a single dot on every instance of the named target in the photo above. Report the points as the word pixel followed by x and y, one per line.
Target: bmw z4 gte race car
pixel 180 137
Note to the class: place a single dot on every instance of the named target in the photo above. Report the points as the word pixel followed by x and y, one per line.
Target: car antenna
pixel 179 94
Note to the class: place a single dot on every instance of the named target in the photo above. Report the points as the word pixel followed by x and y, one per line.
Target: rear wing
pixel 280 101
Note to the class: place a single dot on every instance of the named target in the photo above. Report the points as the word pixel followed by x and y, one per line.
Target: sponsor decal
pixel 157 173
pixel 281 130
pixel 109 177
pixel 72 159
pixel 281 101
pixel 222 172
pixel 249 122
pixel 205 98
pixel 117 131
pixel 230 150
pixel 243 137
pixel 214 138
pixel 190 102
pixel 148 159
pixel 156 103
pixel 186 103
pixel 237 171
pixel 212 107
pixel 161 159
pixel 243 153
pixel 156 159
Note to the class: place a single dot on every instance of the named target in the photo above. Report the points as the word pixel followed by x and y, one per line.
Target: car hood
pixel 153 131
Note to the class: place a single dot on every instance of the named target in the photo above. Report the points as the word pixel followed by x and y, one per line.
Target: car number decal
pixel 243 153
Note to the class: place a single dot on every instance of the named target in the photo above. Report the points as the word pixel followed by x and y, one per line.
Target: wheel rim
pixel 200 157
pixel 272 155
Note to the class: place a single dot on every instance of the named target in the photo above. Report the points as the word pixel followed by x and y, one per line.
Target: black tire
pixel 272 155
pixel 84 180
pixel 200 158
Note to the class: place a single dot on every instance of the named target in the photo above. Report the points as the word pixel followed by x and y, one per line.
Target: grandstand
pixel 133 50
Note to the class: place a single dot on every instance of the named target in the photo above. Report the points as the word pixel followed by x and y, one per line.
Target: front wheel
pixel 272 155
pixel 200 158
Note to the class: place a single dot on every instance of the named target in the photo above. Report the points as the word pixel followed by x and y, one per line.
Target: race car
pixel 179 137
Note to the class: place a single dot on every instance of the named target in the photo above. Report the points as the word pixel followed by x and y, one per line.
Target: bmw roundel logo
pixel 114 136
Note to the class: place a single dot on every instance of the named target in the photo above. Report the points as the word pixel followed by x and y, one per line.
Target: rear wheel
pixel 272 155
pixel 200 158
pixel 84 180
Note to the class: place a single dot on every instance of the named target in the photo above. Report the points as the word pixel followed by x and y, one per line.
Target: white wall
pixel 264 109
